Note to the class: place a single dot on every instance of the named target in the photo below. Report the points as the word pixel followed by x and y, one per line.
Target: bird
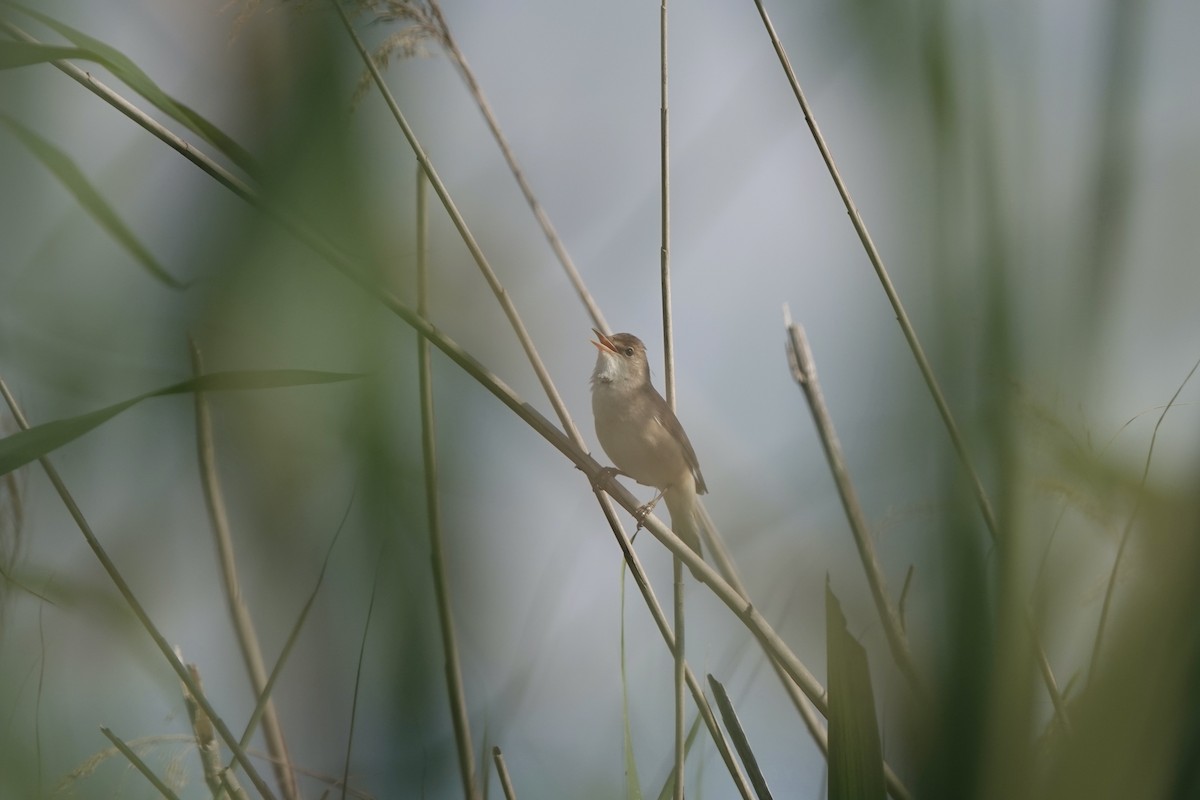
pixel 641 434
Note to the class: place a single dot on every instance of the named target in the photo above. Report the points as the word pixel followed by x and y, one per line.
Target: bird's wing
pixel 666 418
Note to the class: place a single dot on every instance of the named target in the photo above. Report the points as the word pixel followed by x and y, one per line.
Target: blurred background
pixel 1030 173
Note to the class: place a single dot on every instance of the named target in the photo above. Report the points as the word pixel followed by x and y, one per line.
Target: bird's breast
pixel 636 440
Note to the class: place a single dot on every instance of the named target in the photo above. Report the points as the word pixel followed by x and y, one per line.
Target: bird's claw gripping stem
pixel 605 475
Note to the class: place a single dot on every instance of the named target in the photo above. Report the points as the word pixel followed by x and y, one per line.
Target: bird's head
pixel 621 361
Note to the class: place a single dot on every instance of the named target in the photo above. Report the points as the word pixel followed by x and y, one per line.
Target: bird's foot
pixel 643 511
pixel 605 475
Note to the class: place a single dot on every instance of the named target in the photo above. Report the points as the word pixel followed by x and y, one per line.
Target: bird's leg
pixel 643 511
pixel 606 474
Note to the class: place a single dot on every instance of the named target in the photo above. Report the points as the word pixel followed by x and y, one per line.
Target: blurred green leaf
pixel 28 445
pixel 855 756
pixel 23 54
pixel 132 76
pixel 92 201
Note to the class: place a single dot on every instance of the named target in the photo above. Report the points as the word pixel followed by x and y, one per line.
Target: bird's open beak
pixel 605 344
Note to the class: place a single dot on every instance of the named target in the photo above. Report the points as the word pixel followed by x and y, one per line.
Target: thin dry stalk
pixel 804 370
pixel 680 677
pixel 665 255
pixel 454 682
pixel 502 771
pixel 139 764
pixel 669 379
pixel 243 624
pixel 135 605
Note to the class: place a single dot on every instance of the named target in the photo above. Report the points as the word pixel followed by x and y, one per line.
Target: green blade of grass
pixel 135 78
pixel 855 755
pixel 25 446
pixel 87 195
pixel 24 54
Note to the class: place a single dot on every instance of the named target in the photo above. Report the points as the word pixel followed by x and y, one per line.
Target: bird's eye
pixel 629 351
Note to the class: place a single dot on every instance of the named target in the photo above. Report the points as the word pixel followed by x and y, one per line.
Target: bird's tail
pixel 681 502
